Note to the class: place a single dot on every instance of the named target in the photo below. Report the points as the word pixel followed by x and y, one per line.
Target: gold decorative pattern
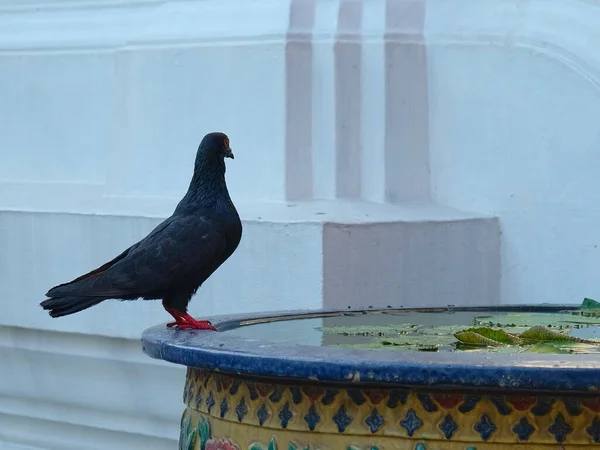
pixel 381 419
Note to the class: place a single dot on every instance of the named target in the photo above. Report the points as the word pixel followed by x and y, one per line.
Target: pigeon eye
pixel 226 142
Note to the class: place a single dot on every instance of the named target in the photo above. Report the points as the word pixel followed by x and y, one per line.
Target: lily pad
pixel 514 332
pixel 427 348
pixel 407 342
pixel 547 347
pixel 368 330
pixel 558 347
pixel 473 338
pixel 588 303
pixel 550 320
pixel 496 335
pixel 543 334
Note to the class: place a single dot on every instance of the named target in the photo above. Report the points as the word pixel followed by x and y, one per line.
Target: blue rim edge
pixel 225 353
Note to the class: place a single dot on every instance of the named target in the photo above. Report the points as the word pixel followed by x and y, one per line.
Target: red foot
pixel 196 325
pixel 186 322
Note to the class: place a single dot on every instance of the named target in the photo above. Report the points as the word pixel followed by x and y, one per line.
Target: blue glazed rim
pixel 263 359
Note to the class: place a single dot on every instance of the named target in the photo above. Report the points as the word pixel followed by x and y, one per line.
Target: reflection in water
pixel 399 320
pixel 309 331
pixel 400 330
pixel 299 331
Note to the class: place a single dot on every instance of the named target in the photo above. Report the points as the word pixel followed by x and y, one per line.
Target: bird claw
pixel 196 325
pixel 186 322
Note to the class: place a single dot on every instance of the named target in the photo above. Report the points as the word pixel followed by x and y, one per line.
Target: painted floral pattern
pixel 187 434
pixel 272 445
pixel 203 432
pixel 352 447
pixel 221 444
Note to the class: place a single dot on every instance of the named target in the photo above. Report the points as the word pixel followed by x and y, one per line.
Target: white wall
pixel 425 151
pixel 515 101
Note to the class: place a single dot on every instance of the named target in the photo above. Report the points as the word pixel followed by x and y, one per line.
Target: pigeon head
pixel 214 147
pixel 208 181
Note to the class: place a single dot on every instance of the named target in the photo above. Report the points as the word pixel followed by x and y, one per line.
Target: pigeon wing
pixel 182 252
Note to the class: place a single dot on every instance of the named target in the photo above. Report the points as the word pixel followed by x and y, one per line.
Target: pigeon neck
pixel 207 188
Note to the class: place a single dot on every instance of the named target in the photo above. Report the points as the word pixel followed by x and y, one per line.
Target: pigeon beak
pixel 229 153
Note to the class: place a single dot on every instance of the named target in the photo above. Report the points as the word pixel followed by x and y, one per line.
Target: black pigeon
pixel 173 261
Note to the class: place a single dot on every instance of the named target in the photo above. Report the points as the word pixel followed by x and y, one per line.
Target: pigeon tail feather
pixel 63 306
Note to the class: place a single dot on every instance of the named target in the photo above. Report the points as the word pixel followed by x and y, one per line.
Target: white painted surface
pixel 375 141
pixel 42 250
pixel 514 88
pixel 72 391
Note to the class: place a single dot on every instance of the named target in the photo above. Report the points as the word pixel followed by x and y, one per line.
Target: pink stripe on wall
pixel 407 102
pixel 299 75
pixel 347 279
pixel 406 141
pixel 348 62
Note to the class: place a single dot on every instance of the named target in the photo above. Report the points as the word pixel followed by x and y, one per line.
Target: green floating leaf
pixel 472 338
pixel 551 320
pixel 543 334
pixel 427 348
pixel 547 347
pixel 496 335
pixel 406 342
pixel 366 330
pixel 507 349
pixel 588 303
pixel 517 320
pixel 582 347
pixel 558 347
